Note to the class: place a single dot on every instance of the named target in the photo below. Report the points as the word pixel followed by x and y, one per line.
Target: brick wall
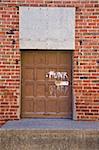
pixel 85 58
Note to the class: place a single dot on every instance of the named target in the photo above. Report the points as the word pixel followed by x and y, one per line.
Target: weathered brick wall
pixel 85 60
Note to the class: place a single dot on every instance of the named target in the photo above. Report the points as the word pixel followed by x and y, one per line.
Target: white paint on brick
pixel 47 28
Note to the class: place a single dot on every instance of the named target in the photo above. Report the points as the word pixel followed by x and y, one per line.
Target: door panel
pixel 41 96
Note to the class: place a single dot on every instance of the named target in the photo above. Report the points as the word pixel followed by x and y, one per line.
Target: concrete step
pixel 49 135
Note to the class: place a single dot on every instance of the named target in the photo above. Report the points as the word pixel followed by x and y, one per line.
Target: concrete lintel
pixel 47 28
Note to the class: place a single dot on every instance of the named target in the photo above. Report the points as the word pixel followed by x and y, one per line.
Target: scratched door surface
pixel 41 97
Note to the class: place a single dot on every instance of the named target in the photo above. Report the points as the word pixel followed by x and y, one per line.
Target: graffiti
pixel 57 75
pixel 61 83
pixel 51 74
pixel 52 90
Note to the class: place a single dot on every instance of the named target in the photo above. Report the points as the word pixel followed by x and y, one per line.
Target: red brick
pixel 85 57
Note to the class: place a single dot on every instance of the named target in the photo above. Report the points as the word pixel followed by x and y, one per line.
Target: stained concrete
pixel 51 124
pixel 47 28
pixel 49 134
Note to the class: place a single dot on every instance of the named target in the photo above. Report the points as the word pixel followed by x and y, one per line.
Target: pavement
pixel 52 124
